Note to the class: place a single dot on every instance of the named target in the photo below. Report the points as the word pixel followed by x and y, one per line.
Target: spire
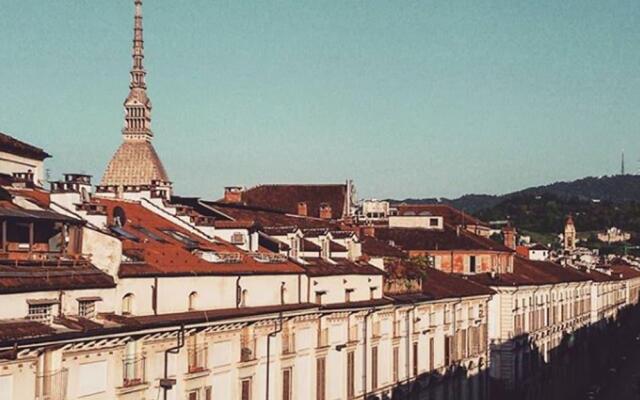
pixel 137 121
pixel 136 162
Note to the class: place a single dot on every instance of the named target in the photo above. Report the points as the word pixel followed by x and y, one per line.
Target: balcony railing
pixel 52 385
pixel 288 343
pixel 133 370
pixel 323 337
pixel 197 358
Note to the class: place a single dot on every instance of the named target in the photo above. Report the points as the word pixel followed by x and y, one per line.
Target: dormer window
pixel 347 295
pixel 41 310
pixel 237 238
pixel 87 307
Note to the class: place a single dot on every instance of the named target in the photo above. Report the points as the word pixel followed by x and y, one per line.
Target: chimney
pixel 368 230
pixel 325 211
pixel 233 194
pixel 509 235
pixel 302 208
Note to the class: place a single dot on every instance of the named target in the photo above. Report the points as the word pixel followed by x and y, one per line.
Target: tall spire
pixel 137 120
pixel 136 162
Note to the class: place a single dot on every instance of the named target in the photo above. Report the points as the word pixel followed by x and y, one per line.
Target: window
pixel 319 295
pixel 243 298
pixel 127 304
pixel 208 393
pixel 193 299
pixel 87 308
pixel 321 364
pixel 472 264
pixel 41 313
pixel 347 295
pixel 237 238
pixel 245 389
pixel 433 222
pixel 351 390
pixel 396 363
pixel 286 384
pixel 193 395
pixel 374 367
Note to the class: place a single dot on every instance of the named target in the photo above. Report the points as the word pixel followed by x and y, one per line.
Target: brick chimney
pixel 302 208
pixel 233 194
pixel 325 211
pixel 509 235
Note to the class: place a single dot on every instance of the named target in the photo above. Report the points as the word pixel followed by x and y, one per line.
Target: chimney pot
pixel 233 194
pixel 302 208
pixel 325 211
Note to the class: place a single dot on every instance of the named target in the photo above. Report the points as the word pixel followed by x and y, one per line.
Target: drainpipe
pixel 299 288
pixel 154 296
pixel 166 384
pixel 365 350
pixel 269 336
pixel 238 294
pixel 408 323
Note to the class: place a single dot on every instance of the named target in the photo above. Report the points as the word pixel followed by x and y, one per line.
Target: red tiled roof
pixel 161 253
pixel 262 216
pixel 447 239
pixel 440 285
pixel 12 145
pixel 286 197
pixel 529 272
pixel 450 214
pixel 321 267
pixel 34 276
pixel 21 329
pixel 378 248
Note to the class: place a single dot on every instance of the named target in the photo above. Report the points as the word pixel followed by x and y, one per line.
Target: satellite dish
pixel 119 216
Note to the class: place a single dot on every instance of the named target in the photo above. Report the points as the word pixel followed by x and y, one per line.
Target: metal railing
pixel 133 370
pixel 197 358
pixel 52 385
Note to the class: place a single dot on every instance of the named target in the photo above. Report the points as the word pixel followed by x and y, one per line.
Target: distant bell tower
pixel 569 234
pixel 136 162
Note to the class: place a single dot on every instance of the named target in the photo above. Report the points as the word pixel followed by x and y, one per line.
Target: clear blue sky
pixel 407 98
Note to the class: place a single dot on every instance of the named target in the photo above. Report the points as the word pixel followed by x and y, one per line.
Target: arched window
pixel 127 303
pixel 193 299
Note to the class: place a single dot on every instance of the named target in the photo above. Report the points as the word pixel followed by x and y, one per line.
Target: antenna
pixel 622 163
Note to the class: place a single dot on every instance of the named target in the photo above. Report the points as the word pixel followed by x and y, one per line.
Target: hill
pixel 617 189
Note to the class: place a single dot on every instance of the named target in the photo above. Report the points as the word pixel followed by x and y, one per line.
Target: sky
pixel 408 99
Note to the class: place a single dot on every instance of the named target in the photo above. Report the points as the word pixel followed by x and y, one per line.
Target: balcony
pixel 288 343
pixel 197 358
pixel 52 385
pixel 133 371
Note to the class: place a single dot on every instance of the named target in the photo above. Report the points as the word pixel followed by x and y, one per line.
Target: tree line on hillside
pixel 546 213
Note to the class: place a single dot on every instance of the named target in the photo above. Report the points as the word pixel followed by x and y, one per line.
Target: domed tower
pixel 569 234
pixel 136 162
